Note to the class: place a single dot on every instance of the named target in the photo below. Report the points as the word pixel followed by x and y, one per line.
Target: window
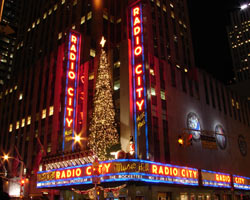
pixel 28 120
pixel 10 128
pixel 23 122
pixel 17 125
pixel 51 110
pixel 82 19
pixel 43 113
pixel 117 85
pixel 92 52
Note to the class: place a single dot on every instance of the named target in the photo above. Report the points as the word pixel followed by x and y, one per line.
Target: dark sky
pixel 208 20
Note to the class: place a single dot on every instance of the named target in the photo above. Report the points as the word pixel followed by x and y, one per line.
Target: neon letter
pixel 88 171
pixel 138 50
pixel 137 30
pixel 69 111
pixel 137 40
pixel 58 175
pixel 175 172
pixel 71 92
pixel 166 170
pixel 139 81
pixel 69 122
pixel 72 56
pixel 107 166
pixel 137 21
pixel 72 75
pixel 183 172
pixel 78 172
pixel 139 104
pixel 72 65
pixel 70 101
pixel 73 48
pixel 136 11
pixel 195 174
pixel 139 91
pixel 138 70
pixel 68 173
pixel 160 170
pixel 73 39
pixel 63 174
pixel 154 169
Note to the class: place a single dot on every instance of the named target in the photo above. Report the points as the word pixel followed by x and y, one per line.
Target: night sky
pixel 208 20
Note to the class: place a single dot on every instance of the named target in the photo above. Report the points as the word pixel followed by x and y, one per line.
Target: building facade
pixel 238 36
pixel 158 95
pixel 9 22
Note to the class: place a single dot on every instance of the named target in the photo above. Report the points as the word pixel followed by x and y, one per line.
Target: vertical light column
pixel 139 79
pixel 73 62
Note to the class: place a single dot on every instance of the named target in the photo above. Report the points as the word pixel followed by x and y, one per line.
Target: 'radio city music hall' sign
pixel 71 79
pixel 215 179
pixel 139 78
pixel 119 170
pixel 240 182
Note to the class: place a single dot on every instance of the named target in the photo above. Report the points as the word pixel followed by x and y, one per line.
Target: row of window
pixel 28 120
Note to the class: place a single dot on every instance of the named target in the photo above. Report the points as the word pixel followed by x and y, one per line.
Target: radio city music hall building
pixel 159 96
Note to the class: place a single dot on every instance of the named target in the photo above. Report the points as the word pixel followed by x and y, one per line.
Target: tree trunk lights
pixel 73 61
pixel 139 82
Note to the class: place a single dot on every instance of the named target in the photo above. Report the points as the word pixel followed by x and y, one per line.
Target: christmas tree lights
pixel 103 132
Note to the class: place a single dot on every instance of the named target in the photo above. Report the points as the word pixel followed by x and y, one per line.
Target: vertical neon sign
pixel 139 80
pixel 73 62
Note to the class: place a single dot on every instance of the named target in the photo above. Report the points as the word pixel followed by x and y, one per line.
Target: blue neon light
pixel 214 172
pixel 66 88
pixel 241 186
pixel 145 89
pixel 132 176
pixel 134 93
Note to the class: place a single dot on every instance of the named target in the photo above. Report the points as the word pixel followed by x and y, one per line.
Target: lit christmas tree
pixel 103 133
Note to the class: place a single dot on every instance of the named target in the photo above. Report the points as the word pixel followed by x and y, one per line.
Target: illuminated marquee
pixel 73 61
pixel 240 182
pixel 119 170
pixel 215 179
pixel 139 80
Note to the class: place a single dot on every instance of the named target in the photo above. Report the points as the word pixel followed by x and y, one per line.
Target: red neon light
pixel 136 11
pixel 72 75
pixel 139 92
pixel 137 30
pixel 72 56
pixel 71 91
pixel 138 69
pixel 69 173
pixel 74 39
pixel 140 104
pixel 174 171
pixel 70 101
pixel 72 65
pixel 70 110
pixel 69 122
pixel 222 178
pixel 139 81
pixel 239 180
pixel 73 48
pixel 137 21
pixel 138 50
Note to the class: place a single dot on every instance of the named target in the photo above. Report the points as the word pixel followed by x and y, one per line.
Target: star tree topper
pixel 103 41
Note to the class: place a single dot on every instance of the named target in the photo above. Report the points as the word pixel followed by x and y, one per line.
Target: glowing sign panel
pixel 241 182
pixel 139 80
pixel 119 170
pixel 73 61
pixel 215 179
